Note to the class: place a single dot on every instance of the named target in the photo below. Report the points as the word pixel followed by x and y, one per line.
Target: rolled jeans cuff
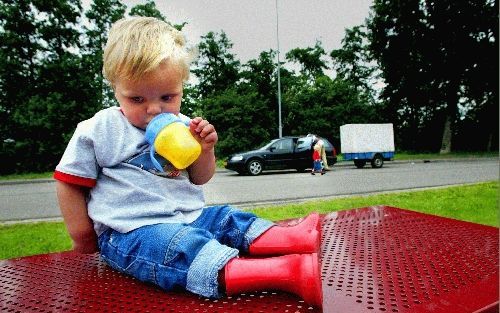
pixel 258 227
pixel 204 270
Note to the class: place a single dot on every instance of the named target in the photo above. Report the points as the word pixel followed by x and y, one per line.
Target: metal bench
pixel 374 259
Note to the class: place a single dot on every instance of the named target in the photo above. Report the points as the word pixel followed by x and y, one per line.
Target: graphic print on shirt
pixel 143 161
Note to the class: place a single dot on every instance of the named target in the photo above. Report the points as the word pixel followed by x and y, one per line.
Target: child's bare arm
pixel 203 169
pixel 73 205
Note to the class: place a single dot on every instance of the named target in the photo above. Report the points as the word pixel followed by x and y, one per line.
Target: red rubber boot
pixel 304 237
pixel 294 273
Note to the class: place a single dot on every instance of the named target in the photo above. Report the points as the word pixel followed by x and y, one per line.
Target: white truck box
pixel 361 138
pixel 367 142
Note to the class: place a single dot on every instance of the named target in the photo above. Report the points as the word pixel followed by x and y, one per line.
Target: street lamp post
pixel 280 127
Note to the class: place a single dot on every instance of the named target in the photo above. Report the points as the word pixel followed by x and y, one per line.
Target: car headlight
pixel 236 158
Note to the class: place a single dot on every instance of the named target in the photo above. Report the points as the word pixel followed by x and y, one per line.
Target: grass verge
pixel 27 176
pixel 33 238
pixel 403 155
pixel 476 203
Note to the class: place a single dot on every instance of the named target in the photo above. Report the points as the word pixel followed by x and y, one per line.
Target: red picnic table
pixel 374 259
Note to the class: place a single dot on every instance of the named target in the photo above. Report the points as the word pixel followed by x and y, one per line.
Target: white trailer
pixel 363 143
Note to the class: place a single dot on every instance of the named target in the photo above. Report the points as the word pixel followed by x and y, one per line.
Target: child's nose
pixel 154 108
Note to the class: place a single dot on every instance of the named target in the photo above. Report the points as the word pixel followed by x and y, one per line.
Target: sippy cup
pixel 170 137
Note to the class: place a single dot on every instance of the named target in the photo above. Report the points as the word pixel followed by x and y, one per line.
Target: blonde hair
pixel 138 45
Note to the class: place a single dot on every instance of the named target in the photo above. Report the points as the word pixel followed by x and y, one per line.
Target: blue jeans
pixel 317 167
pixel 183 255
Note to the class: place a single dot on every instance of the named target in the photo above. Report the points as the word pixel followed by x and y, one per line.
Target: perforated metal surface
pixel 76 283
pixel 376 259
pixel 383 259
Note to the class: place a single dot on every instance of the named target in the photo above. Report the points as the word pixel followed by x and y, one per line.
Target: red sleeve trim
pixel 76 180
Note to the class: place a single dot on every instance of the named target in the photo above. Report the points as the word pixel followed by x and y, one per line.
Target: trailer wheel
pixel 360 163
pixel 377 161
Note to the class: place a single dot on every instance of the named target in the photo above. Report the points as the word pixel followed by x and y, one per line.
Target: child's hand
pixel 202 170
pixel 204 132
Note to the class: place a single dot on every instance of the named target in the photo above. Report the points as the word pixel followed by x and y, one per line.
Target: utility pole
pixel 280 126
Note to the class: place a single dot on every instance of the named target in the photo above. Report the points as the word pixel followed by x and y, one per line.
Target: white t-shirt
pixel 111 156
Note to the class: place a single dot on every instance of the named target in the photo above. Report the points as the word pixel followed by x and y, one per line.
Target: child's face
pixel 159 91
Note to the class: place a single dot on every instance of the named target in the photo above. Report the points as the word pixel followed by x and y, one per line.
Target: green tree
pixel 150 9
pixel 40 40
pixel 216 68
pixel 310 60
pixel 18 47
pixel 101 15
pixel 315 103
pixel 259 77
pixel 322 107
pixel 147 9
pixel 240 119
pixel 428 52
pixel 406 74
pixel 354 63
pixel 260 74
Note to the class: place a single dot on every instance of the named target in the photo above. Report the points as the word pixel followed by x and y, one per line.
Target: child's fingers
pixel 206 129
pixel 193 124
pixel 211 138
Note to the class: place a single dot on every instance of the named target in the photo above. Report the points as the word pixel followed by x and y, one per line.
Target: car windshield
pixel 266 147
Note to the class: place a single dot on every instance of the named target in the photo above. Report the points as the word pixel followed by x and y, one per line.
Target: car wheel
pixel 377 161
pixel 359 163
pixel 254 167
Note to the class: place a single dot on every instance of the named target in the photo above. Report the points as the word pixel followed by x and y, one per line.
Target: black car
pixel 282 153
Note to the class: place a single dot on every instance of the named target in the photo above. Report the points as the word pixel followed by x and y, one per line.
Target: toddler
pixel 155 227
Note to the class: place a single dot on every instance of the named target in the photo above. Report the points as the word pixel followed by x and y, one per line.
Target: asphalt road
pixel 37 200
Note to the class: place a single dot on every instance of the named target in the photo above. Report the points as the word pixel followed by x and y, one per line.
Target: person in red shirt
pixel 317 165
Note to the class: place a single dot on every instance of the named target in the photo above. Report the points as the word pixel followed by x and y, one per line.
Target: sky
pixel 251 25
